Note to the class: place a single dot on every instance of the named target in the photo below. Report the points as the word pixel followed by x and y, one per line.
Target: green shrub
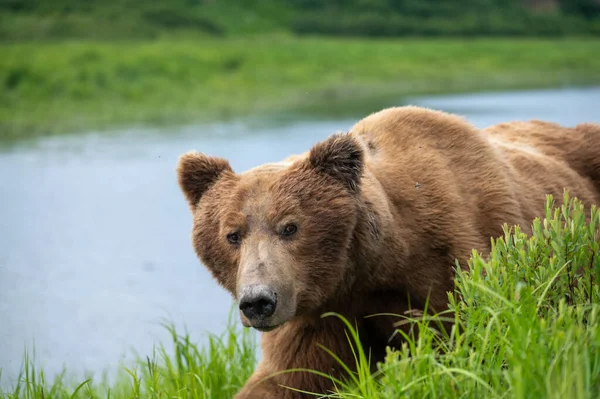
pixel 169 18
pixel 34 19
pixel 374 24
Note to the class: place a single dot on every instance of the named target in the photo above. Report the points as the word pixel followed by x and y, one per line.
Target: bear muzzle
pixel 258 303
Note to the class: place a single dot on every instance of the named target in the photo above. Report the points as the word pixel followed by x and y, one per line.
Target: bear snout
pixel 257 302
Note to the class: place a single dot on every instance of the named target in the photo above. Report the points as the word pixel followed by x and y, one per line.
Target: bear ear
pixel 341 157
pixel 197 172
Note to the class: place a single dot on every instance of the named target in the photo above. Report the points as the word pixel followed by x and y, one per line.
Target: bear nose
pixel 258 302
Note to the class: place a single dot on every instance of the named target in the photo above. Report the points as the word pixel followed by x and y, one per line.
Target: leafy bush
pixel 181 18
pixel 468 24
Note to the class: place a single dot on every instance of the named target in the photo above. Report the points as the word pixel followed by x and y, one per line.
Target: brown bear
pixel 370 221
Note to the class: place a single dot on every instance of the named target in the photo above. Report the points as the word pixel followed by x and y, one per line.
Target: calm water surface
pixel 94 233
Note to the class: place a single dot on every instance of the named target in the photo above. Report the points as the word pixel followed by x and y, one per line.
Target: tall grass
pixel 527 318
pixel 215 370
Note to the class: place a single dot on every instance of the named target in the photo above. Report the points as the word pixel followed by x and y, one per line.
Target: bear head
pixel 277 237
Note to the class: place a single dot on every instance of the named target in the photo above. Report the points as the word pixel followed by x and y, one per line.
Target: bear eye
pixel 234 238
pixel 289 230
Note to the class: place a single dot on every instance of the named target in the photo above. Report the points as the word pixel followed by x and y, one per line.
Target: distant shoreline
pixel 69 86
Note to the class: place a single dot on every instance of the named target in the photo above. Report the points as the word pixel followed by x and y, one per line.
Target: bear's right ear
pixel 197 172
pixel 341 157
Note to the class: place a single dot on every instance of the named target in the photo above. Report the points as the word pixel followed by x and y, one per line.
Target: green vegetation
pixel 36 19
pixel 59 87
pixel 214 371
pixel 72 65
pixel 447 18
pixel 529 328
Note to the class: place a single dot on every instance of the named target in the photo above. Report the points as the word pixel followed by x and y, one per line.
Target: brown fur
pixel 382 213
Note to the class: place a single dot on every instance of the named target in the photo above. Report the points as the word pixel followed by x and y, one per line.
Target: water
pixel 94 233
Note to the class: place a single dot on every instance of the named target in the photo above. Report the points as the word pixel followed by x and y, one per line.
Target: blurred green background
pixel 73 65
pixel 119 19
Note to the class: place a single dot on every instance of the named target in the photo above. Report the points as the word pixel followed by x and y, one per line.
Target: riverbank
pixel 63 87
pixel 530 328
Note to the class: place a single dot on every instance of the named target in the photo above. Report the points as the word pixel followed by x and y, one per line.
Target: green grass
pixel 529 328
pixel 60 87
pixel 215 370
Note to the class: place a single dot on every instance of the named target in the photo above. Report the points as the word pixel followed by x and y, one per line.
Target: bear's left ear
pixel 341 157
pixel 196 172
